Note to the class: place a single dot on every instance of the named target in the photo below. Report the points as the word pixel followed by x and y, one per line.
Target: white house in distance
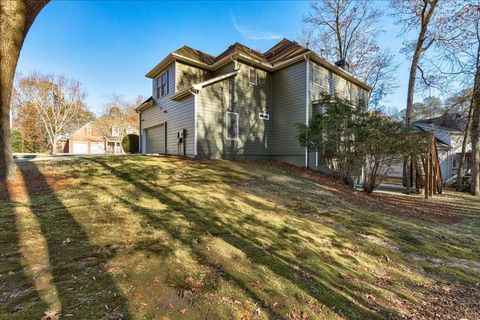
pixel 448 129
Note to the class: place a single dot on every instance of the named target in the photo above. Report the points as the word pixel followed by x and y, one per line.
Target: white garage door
pixel 156 139
pixel 80 147
pixel 97 147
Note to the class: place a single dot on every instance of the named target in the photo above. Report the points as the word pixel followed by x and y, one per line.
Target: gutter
pixel 195 121
pixel 307 100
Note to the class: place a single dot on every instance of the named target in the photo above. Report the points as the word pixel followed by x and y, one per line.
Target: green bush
pixel 17 141
pixel 130 143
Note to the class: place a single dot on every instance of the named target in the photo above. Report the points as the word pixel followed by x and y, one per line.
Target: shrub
pixel 130 143
pixel 17 141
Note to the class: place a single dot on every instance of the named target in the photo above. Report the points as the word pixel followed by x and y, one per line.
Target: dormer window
pixel 162 82
pixel 253 76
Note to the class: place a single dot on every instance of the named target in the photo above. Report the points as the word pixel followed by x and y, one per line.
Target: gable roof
pixel 284 50
pixel 447 121
pixel 280 55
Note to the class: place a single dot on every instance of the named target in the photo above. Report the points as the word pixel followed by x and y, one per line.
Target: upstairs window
pixel 253 76
pixel 162 89
pixel 232 126
pixel 89 131
pixel 115 132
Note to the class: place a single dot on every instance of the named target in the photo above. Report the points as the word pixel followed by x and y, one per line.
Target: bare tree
pixel 16 17
pixel 348 30
pixel 412 15
pixel 58 101
pixel 120 114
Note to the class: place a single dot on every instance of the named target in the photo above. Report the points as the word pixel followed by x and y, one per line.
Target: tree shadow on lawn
pixel 18 296
pixel 85 289
pixel 324 285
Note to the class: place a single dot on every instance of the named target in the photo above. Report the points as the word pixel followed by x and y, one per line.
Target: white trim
pixel 195 124
pixel 200 85
pixel 250 76
pixel 307 102
pixel 226 122
pixel 316 158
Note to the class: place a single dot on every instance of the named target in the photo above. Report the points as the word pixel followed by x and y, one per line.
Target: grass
pixel 157 238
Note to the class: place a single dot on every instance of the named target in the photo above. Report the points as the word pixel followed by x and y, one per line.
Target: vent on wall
pixel 264 116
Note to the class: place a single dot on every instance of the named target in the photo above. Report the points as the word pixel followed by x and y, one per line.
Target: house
pixel 241 103
pixel 449 130
pixel 88 139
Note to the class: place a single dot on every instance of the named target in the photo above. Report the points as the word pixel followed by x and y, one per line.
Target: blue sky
pixel 109 46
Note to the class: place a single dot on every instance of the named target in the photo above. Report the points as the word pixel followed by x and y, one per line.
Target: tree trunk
pixel 461 163
pixel 16 17
pixel 475 129
pixel 427 13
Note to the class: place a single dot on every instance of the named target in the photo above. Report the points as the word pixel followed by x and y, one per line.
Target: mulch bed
pixel 433 210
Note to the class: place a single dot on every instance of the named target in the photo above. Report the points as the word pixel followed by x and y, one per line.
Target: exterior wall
pixel 289 108
pixel 186 75
pixel 331 83
pixel 235 94
pixel 178 115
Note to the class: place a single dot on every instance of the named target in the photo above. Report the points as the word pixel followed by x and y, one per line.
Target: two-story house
pixel 241 103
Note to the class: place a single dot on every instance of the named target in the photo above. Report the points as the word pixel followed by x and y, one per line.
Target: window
pixel 454 162
pixel 89 131
pixel 115 132
pixel 129 130
pixel 318 77
pixel 253 76
pixel 162 82
pixel 232 126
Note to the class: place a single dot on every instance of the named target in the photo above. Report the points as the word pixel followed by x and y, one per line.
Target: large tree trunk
pixel 475 129
pixel 16 17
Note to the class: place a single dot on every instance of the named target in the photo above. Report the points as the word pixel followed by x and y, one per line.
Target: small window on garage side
pixel 232 126
pixel 253 76
pixel 162 82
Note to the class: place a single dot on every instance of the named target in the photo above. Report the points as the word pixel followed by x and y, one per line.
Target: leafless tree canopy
pixel 348 30
pixel 57 100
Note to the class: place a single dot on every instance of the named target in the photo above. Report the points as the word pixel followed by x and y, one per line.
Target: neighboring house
pixel 241 103
pixel 88 139
pixel 449 130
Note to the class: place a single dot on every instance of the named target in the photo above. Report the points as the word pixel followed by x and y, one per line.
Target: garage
pixel 156 139
pixel 79 147
pixel 97 147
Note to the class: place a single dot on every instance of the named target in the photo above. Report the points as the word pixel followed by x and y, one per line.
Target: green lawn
pixel 159 238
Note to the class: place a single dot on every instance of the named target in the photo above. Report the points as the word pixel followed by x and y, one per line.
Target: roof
pixel 280 55
pixel 447 122
pixel 283 51
pixel 195 54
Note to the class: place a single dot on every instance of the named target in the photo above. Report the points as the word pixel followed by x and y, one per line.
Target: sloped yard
pixel 159 238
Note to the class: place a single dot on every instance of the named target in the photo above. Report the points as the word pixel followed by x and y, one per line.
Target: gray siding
pixel 178 115
pixel 324 80
pixel 289 101
pixel 235 94
pixel 186 75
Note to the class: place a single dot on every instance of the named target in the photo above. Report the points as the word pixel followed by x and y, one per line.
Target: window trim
pixel 227 124
pixel 250 76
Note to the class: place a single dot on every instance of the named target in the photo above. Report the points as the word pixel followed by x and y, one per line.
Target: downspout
pixel 195 120
pixel 140 144
pixel 307 101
